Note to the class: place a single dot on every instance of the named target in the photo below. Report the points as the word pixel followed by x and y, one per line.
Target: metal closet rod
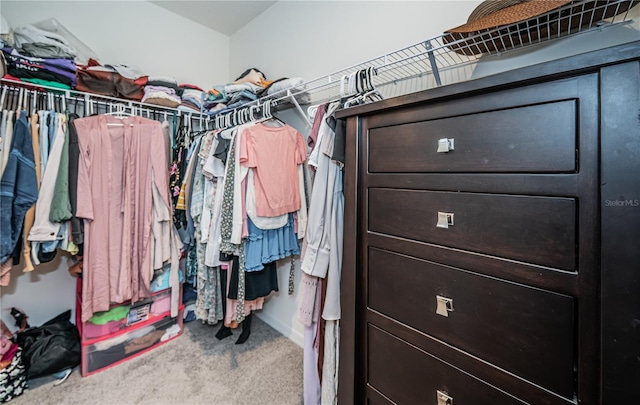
pixel 98 98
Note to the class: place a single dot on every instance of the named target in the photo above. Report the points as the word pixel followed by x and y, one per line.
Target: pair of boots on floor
pixel 225 331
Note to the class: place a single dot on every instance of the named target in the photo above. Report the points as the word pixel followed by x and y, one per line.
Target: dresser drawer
pixel 539 230
pixel 532 139
pixel 408 375
pixel 524 330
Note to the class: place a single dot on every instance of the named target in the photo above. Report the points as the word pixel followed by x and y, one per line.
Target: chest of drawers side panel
pixel 620 238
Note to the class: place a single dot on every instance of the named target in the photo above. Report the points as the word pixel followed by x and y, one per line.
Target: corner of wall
pixel 285 329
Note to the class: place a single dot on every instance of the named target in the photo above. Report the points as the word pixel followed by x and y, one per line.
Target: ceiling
pixel 226 17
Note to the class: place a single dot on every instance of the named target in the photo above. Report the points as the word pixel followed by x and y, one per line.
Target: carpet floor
pixel 195 368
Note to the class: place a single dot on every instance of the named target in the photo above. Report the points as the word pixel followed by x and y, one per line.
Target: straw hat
pixel 497 25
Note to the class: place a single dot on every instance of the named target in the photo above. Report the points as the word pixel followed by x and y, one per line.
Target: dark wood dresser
pixel 492 240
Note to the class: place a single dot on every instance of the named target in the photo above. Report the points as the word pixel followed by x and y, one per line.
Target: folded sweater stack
pixel 162 91
pixel 54 72
pixel 191 98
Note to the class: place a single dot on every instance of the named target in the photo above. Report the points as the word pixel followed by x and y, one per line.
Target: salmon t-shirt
pixel 274 153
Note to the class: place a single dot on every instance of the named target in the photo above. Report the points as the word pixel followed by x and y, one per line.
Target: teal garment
pixel 47 83
pixel 114 314
pixel 61 204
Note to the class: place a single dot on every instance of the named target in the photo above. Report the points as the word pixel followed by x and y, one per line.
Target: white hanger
pixel 312 111
pixel 373 94
pixel 343 82
pixel 20 97
pixel 352 83
pixel 119 110
pixel 3 96
pixel 250 112
pixel 34 98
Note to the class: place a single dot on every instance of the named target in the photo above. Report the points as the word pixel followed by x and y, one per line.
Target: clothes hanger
pixel 3 96
pixel 34 100
pixel 75 106
pixel 270 119
pixel 361 80
pixel 353 96
pixel 352 82
pixel 240 116
pixel 251 108
pixel 63 99
pixel 119 110
pixel 20 100
pixel 373 94
pixel 343 85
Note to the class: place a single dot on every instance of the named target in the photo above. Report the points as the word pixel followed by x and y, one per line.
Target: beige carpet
pixel 195 368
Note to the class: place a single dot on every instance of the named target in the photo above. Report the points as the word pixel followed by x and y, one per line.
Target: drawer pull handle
pixel 445 145
pixel 444 305
pixel 445 220
pixel 443 398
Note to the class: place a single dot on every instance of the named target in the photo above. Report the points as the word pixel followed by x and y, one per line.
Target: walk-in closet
pixel 320 202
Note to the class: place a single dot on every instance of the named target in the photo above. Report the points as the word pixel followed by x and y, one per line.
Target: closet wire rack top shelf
pixel 450 57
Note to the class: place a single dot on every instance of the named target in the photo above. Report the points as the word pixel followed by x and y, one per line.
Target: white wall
pixel 137 33
pixel 310 39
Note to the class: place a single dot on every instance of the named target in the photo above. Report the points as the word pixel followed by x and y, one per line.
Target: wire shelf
pixel 450 57
pixel 445 59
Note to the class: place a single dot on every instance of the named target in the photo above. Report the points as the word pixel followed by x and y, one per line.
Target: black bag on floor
pixel 52 347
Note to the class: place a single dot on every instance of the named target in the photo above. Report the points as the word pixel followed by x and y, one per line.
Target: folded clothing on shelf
pixel 192 98
pixel 95 78
pixel 43 50
pixel 164 81
pixel 161 95
pixel 49 69
pixel 39 42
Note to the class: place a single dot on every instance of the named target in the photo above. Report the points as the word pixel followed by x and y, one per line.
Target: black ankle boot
pixel 223 332
pixel 246 330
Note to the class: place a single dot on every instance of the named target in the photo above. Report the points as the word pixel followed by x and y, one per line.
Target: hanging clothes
pixel 321 256
pixel 31 213
pixel 275 154
pixel 43 229
pixel 209 302
pixel 77 225
pixel 121 160
pixel 5 139
pixel 18 191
